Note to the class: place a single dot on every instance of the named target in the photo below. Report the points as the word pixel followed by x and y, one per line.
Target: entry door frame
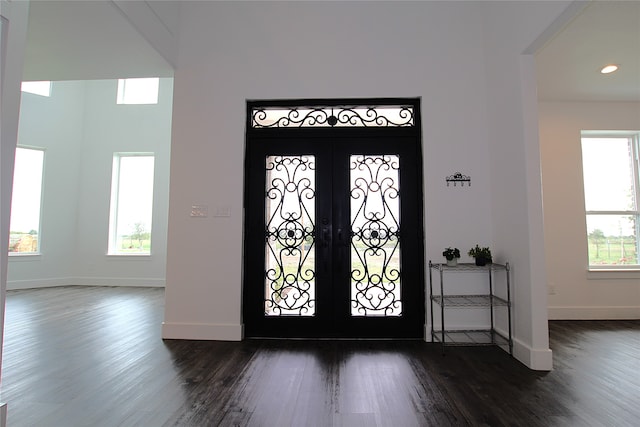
pixel 290 137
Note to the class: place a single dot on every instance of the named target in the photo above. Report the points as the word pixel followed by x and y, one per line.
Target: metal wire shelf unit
pixel 487 300
pixel 472 337
pixel 469 300
pixel 468 266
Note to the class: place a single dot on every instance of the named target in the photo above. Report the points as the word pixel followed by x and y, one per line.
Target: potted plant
pixel 482 255
pixel 452 256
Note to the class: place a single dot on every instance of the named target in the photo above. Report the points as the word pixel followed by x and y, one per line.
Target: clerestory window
pixel 42 88
pixel 138 91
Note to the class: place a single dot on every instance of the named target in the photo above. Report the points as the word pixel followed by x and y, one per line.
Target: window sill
pixel 16 256
pixel 145 257
pixel 611 273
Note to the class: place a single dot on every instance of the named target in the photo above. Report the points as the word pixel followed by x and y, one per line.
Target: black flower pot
pixel 480 261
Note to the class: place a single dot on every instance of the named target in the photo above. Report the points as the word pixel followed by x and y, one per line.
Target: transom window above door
pixel 333 116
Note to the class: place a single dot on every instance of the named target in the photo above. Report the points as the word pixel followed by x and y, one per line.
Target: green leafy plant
pixel 481 254
pixel 450 253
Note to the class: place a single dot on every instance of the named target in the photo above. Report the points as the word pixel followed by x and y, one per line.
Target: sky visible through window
pixel 133 203
pixel 42 88
pixel 25 202
pixel 27 186
pixel 608 183
pixel 138 91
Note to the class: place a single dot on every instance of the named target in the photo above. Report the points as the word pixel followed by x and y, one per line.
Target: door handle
pixel 326 237
pixel 343 238
pixel 325 240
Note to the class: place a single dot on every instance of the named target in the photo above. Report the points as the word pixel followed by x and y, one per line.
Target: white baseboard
pixel 537 359
pixel 199 331
pixel 594 313
pixel 84 281
pixel 119 281
pixel 38 283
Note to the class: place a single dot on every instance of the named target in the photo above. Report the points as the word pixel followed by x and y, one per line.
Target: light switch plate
pixel 222 211
pixel 199 211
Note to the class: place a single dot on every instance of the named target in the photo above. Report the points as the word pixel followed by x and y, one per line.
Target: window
pixel 138 91
pixel 24 235
pixel 612 192
pixel 37 88
pixel 332 116
pixel 131 204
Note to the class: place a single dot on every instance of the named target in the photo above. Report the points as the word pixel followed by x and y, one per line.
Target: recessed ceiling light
pixel 609 69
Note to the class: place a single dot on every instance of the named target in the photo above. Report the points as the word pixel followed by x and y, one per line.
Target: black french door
pixel 333 233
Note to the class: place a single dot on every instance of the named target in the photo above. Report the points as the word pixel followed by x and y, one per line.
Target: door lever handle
pixel 325 236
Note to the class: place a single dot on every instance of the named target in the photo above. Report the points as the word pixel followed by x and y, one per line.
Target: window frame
pixel 114 201
pixel 33 87
pixel 633 138
pixel 121 91
pixel 38 252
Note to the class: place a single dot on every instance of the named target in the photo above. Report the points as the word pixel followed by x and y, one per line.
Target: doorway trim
pixel 363 118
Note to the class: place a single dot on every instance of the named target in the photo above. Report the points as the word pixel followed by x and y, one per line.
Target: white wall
pixel 441 51
pixel 579 294
pixel 113 128
pixel 55 124
pixel 12 45
pixel 515 187
pixel 81 126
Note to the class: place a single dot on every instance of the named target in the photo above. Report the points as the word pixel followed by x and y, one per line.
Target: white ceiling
pixel 86 40
pixel 606 32
pixel 80 40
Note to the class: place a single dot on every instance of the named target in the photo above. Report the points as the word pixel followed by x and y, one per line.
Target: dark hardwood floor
pixel 92 356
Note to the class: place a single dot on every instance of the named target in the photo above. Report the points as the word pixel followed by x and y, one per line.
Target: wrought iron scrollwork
pixel 290 236
pixel 375 236
pixel 345 116
pixel 458 177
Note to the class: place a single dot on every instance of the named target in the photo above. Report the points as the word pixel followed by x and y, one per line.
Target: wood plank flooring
pixel 93 356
